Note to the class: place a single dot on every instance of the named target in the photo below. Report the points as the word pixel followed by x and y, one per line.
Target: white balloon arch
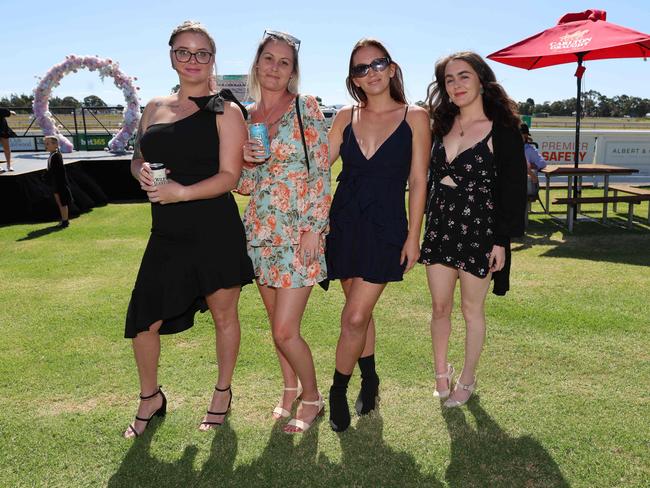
pixel 106 67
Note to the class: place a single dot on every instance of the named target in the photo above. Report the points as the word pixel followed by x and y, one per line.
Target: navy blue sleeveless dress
pixel 459 231
pixel 195 247
pixel 368 225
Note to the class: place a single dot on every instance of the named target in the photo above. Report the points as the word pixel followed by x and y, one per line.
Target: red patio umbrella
pixel 577 37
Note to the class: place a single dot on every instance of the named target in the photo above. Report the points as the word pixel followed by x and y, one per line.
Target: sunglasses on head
pixel 283 36
pixel 361 70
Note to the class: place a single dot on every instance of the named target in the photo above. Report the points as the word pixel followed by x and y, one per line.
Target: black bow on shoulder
pixel 214 103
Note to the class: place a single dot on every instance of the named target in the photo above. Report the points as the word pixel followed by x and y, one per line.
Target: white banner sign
pixel 236 84
pixel 22 144
pixel 627 152
pixel 560 148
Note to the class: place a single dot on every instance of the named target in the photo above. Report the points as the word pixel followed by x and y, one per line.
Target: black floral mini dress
pixel 460 219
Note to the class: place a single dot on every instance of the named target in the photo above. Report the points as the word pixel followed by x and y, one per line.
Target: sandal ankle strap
pixel 149 397
pixel 317 402
pixel 224 389
pixel 463 386
pixel 448 374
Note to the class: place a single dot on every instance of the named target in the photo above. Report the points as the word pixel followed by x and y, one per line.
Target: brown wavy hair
pixel 497 105
pixel 396 82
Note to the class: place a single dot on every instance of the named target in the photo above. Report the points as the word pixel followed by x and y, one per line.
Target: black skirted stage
pixel 96 178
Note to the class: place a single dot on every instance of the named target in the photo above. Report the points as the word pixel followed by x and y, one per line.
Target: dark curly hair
pixel 498 106
pixel 396 82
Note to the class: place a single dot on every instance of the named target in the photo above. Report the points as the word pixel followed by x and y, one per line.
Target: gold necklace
pixel 266 115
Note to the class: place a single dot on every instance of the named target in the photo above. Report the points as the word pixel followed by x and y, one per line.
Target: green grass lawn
pixel 563 396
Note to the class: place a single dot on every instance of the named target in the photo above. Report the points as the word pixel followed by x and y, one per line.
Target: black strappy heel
pixel 161 412
pixel 209 412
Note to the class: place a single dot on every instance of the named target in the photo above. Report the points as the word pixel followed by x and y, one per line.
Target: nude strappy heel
pixel 301 424
pixel 461 386
pixel 444 394
pixel 282 412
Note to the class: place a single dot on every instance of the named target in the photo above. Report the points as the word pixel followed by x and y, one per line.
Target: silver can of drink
pixel 261 133
pixel 159 173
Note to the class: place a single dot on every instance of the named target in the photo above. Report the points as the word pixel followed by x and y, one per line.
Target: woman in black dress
pixel 196 256
pixel 383 142
pixel 5 134
pixel 476 203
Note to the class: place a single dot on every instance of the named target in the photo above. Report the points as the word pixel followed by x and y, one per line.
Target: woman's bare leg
pixel 473 291
pixel 7 150
pixel 223 307
pixel 442 282
pixel 146 349
pixel 289 377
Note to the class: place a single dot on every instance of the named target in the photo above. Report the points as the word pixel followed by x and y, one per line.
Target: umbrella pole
pixel 576 153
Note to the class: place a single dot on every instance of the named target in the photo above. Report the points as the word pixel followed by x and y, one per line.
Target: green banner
pixel 527 119
pixel 91 142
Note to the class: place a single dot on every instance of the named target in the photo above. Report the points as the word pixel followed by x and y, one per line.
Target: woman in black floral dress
pixel 476 203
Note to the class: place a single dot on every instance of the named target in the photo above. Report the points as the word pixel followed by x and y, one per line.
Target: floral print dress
pixel 460 220
pixel 287 199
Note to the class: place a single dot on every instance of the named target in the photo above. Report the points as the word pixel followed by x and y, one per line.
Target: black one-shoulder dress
pixel 195 247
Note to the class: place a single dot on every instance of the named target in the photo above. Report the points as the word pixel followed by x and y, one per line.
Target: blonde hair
pixel 253 86
pixel 51 138
pixel 195 27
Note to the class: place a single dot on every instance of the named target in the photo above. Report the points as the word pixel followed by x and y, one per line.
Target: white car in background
pixel 329 113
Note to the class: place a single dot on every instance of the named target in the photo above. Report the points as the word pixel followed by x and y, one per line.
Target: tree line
pixel 18 101
pixel 594 104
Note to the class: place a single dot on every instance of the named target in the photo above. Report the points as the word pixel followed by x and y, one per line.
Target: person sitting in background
pixel 5 134
pixel 58 179
pixel 534 161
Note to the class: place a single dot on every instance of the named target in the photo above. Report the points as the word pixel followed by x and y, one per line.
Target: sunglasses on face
pixel 361 70
pixel 294 42
pixel 184 56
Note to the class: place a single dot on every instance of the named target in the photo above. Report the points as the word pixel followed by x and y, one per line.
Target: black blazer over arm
pixel 510 195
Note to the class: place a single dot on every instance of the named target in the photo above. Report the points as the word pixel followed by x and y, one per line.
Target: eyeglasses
pixel 361 70
pixel 283 36
pixel 184 56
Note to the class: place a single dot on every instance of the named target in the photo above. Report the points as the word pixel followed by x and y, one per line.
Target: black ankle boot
pixel 339 411
pixel 369 394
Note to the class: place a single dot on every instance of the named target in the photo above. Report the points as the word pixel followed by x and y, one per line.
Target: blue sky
pixel 37 34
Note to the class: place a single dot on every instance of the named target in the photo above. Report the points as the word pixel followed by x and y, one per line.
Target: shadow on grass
pixel 35 234
pixel 287 460
pixel 590 241
pixel 140 468
pixel 488 456
pixel 368 461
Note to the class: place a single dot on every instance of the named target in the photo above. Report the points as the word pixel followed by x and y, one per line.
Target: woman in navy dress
pixel 383 143
pixel 476 203
pixel 196 257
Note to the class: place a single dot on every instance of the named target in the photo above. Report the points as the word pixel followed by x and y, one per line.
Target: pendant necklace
pixel 266 115
pixel 462 132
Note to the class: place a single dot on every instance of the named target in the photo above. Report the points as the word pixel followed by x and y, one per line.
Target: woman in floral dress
pixel 286 219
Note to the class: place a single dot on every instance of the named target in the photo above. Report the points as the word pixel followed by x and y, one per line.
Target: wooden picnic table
pixel 570 172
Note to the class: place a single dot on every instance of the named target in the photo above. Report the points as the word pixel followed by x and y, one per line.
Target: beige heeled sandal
pixel 444 394
pixel 461 386
pixel 301 424
pixel 279 412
